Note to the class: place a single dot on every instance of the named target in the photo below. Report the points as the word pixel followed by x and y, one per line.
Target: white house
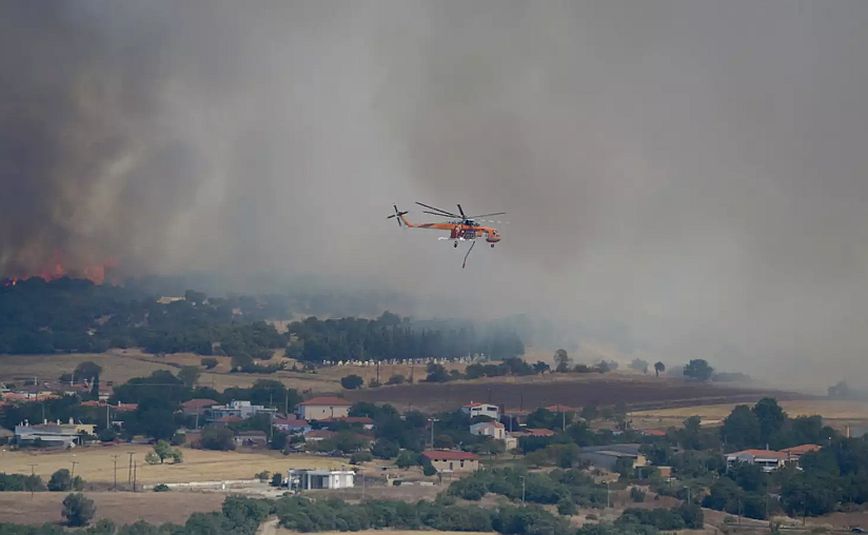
pixel 481 409
pixel 323 408
pixel 239 409
pixel 320 479
pixel 52 434
pixel 769 460
pixel 495 430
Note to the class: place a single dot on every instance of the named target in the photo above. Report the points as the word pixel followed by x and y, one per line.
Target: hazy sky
pixel 683 178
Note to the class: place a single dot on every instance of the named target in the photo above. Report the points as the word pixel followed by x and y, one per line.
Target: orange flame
pixel 55 269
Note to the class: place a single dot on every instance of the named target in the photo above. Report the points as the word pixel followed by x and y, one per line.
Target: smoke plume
pixel 682 178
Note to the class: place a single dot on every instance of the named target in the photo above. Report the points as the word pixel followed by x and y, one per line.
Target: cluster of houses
pixel 406 362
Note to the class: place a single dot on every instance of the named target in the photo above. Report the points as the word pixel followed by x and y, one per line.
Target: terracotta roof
pixel 350 420
pixel 197 404
pixel 290 422
pixel 449 455
pixel 802 449
pixel 763 454
pixel 654 432
pixel 231 419
pixel 320 433
pixel 560 408
pixel 539 432
pixel 326 400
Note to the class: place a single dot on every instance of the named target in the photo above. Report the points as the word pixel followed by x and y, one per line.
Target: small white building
pixel 481 409
pixel 239 409
pixel 323 408
pixel 52 434
pixel 495 430
pixel 320 479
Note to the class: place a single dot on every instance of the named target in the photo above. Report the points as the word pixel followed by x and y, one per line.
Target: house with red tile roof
pixel 769 460
pixel 452 460
pixel 323 408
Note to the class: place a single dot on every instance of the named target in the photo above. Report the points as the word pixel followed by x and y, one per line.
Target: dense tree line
pixel 71 315
pixel 391 337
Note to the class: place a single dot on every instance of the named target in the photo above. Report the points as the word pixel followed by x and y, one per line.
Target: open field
pixel 836 413
pixel 119 507
pixel 281 531
pixel 96 465
pixel 573 390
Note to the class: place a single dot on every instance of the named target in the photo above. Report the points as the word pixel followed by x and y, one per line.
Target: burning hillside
pixel 57 268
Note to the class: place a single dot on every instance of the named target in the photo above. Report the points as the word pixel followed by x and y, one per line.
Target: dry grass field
pixel 96 465
pixel 282 531
pixel 119 507
pixel 835 412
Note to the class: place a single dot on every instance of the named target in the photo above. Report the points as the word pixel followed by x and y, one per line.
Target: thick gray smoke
pixel 682 178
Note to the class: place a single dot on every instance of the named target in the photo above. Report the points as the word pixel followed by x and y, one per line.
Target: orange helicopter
pixel 461 227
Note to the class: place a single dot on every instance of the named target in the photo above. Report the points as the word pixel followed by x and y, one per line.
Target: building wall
pixel 467 465
pixel 323 412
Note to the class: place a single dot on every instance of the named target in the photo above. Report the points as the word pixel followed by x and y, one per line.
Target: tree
pixel 218 438
pixel 541 367
pixel 384 449
pixel 396 379
pixel 659 368
pixel 741 429
pixel 436 374
pixel 87 370
pixel 771 418
pixel 189 375
pixel 639 365
pixel 352 381
pixel 406 459
pixel 78 510
pixel 562 361
pixel 62 481
pixel 209 363
pixel 163 450
pixel 698 369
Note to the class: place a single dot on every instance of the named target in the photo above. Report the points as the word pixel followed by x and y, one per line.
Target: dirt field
pixel 281 531
pixel 836 413
pixel 119 507
pixel 96 465
pixel 535 391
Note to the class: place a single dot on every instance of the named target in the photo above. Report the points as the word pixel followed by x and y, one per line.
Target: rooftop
pixel 326 400
pixel 449 455
pixel 802 449
pixel 762 454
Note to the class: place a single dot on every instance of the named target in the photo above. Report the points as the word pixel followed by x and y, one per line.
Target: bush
pixel 428 469
pixel 352 382
pixel 566 507
pixel 637 494
pixel 384 449
pixel 107 435
pixel 361 457
pixel 396 379
pixel 162 487
pixel 78 510
pixel 406 459
pixel 209 363
pixel 218 438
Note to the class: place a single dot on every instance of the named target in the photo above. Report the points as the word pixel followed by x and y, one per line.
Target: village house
pixel 495 430
pixel 197 406
pixel 320 479
pixel 291 425
pixel 769 460
pixel 535 432
pixel 481 409
pixel 316 435
pixel 323 408
pixel 795 453
pixel 452 461
pixel 240 409
pixel 607 457
pixel 52 434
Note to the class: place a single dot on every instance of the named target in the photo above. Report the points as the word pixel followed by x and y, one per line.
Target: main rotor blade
pixel 438 214
pixel 461 210
pixel 450 214
pixel 486 215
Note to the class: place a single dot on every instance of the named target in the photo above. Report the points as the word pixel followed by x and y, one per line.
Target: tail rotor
pixel 397 215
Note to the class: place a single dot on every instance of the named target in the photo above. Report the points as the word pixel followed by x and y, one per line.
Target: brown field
pixel 834 412
pixel 96 465
pixel 281 531
pixel 119 507
pixel 535 391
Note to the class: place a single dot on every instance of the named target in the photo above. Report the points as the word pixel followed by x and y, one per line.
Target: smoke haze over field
pixel 682 178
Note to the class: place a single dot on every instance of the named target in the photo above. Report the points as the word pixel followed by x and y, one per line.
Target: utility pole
pixel 135 470
pixel 72 475
pixel 563 418
pixel 608 500
pixel 130 468
pixel 115 483
pixel 523 487
pixel 432 420
pixel 32 477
